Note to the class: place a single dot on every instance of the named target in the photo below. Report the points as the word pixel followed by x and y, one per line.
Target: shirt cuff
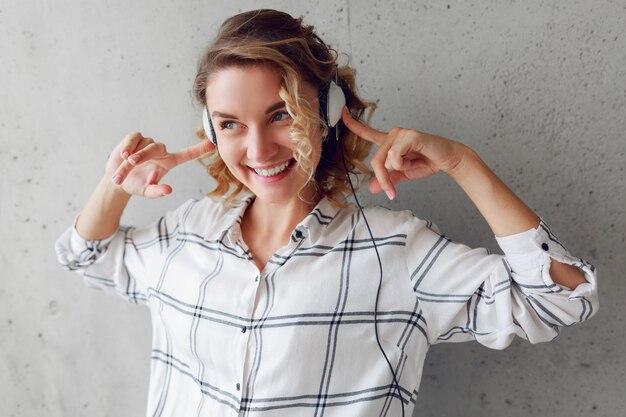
pixel 529 254
pixel 75 252
pixel 79 243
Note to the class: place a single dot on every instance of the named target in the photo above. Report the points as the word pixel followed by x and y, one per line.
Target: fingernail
pixel 390 194
pixel 117 179
pixel 124 154
pixel 133 159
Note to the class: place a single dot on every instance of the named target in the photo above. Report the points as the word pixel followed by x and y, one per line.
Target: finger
pixel 125 167
pixel 193 152
pixel 361 130
pixel 416 169
pixel 157 190
pixel 400 154
pixel 121 172
pixel 378 165
pixel 149 152
pixel 395 159
pixel 129 144
pixel 395 177
pixel 142 144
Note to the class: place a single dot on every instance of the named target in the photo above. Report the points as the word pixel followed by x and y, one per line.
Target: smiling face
pixel 252 127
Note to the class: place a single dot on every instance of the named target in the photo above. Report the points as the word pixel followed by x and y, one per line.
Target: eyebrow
pixel 270 109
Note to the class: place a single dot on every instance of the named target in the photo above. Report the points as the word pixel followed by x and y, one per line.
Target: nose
pixel 261 146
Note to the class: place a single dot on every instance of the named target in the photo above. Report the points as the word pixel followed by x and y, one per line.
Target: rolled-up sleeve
pixel 469 294
pixel 528 256
pixel 74 252
pixel 125 262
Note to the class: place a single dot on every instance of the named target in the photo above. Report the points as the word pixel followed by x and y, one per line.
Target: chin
pixel 276 196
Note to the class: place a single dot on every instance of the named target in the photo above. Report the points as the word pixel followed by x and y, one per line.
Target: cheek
pixel 282 134
pixel 230 153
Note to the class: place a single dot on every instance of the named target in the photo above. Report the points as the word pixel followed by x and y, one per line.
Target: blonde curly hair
pixel 276 39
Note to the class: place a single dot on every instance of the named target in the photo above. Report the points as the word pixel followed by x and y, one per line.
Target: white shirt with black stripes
pixel 298 337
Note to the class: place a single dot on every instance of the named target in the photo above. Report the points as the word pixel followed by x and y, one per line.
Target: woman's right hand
pixel 138 163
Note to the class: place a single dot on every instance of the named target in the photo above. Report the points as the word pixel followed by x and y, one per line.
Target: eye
pixel 281 116
pixel 228 125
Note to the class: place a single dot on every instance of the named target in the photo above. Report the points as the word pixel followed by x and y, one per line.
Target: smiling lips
pixel 274 170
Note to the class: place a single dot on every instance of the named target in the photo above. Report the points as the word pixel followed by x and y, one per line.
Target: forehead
pixel 238 90
pixel 247 89
pixel 255 77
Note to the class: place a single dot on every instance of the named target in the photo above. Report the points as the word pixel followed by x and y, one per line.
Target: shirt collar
pixel 315 223
pixel 310 228
pixel 232 220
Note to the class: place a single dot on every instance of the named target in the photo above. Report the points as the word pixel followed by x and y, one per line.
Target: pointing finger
pixel 361 130
pixel 193 152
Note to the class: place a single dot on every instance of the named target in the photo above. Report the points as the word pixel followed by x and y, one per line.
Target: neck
pixel 276 220
pixel 266 227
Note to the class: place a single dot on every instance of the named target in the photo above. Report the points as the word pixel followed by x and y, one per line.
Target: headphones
pixel 331 99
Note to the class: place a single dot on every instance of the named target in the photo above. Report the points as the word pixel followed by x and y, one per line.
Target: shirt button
pixel 238 386
pixel 298 234
pixel 544 246
pixel 256 278
pixel 243 329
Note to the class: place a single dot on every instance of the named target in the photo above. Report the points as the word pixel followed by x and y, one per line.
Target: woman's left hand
pixel 405 154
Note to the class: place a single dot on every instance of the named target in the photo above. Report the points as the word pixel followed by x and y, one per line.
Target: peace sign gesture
pixel 405 154
pixel 138 163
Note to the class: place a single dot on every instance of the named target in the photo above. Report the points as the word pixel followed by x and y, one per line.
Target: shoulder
pixel 208 214
pixel 206 208
pixel 392 217
pixel 403 220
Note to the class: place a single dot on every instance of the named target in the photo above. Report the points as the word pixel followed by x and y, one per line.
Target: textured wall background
pixel 538 88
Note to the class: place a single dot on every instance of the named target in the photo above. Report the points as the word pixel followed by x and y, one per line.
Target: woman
pixel 271 305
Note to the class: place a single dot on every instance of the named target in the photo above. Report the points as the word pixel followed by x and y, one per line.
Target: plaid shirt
pixel 298 338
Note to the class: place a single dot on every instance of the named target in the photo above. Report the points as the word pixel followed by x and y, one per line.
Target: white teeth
pixel 273 171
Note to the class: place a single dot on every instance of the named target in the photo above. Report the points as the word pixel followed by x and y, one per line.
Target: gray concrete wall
pixel 538 88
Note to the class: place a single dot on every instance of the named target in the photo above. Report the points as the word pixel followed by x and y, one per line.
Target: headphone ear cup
pixel 207 124
pixel 335 102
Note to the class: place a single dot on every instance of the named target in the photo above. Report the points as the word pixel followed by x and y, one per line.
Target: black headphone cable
pixel 380 266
